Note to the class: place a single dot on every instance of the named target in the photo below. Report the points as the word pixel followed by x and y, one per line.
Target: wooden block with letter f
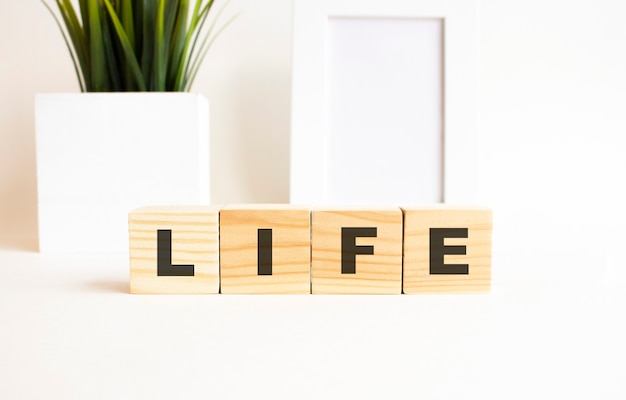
pixel 356 251
pixel 174 249
pixel 447 250
pixel 265 248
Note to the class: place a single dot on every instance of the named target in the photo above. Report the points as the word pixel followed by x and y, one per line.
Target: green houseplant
pixel 137 45
pixel 141 139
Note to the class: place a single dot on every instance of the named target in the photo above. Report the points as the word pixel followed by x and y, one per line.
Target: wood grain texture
pixel 194 241
pixel 417 251
pixel 378 273
pixel 291 249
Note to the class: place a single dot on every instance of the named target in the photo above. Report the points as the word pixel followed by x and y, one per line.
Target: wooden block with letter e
pixel 356 251
pixel 174 249
pixel 447 250
pixel 265 249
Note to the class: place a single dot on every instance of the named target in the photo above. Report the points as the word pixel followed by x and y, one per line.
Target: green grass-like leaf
pixel 81 83
pixel 130 45
pixel 96 48
pixel 129 55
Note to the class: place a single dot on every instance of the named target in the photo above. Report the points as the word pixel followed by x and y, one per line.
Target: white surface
pixel 313 149
pixel 99 156
pixel 70 330
pixel 384 111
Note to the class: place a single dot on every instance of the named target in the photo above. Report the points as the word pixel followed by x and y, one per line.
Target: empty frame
pixel 383 102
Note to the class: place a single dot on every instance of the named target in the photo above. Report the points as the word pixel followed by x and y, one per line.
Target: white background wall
pixel 552 133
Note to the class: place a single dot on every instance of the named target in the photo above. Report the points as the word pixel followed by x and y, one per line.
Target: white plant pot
pixel 100 155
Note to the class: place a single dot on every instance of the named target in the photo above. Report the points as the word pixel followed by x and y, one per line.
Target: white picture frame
pixel 309 125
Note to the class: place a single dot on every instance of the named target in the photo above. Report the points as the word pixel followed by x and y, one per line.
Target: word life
pixel 273 248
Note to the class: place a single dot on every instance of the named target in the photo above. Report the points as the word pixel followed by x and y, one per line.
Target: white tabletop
pixel 71 330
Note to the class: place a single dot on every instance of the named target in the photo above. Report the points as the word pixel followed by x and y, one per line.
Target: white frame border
pixel 460 90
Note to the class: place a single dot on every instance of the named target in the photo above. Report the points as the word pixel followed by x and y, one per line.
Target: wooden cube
pixel 174 249
pixel 265 249
pixel 447 250
pixel 356 251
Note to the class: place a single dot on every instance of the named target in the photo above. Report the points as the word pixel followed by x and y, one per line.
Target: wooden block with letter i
pixel 265 248
pixel 447 250
pixel 356 251
pixel 174 249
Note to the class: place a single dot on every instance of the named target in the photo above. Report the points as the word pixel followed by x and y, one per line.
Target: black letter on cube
pixel 438 250
pixel 264 252
pixel 349 249
pixel 164 257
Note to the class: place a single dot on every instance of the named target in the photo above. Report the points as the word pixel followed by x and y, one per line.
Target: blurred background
pixel 552 125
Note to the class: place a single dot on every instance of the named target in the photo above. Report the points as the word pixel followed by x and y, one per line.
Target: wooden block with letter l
pixel 447 250
pixel 356 251
pixel 265 248
pixel 174 249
